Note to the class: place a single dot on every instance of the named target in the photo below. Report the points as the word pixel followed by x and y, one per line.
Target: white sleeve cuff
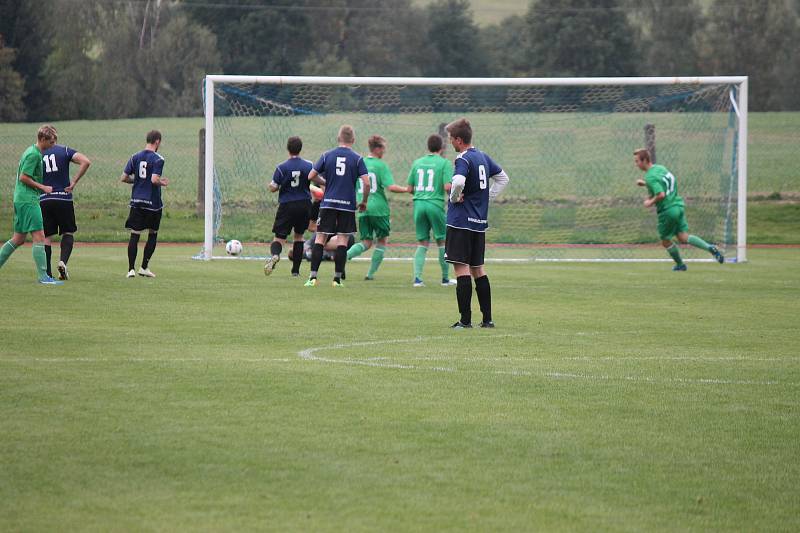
pixel 457 187
pixel 500 181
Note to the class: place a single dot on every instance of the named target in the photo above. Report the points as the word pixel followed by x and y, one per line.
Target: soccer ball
pixel 233 247
pixel 316 193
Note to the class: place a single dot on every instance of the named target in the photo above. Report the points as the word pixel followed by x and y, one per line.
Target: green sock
pixel 6 251
pixel 40 258
pixel 697 242
pixel 675 253
pixel 443 264
pixel 419 260
pixel 377 257
pixel 355 250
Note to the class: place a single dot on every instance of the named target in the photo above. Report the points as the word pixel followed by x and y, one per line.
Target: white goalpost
pixel 566 143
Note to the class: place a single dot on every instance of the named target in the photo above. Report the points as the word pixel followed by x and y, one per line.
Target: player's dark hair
pixel 376 141
pixel 153 136
pixel 643 154
pixel 435 143
pixel 460 128
pixel 294 145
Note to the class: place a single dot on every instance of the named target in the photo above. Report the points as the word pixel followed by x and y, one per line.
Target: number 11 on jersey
pixel 421 180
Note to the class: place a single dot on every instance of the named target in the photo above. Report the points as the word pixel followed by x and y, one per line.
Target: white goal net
pixel 566 144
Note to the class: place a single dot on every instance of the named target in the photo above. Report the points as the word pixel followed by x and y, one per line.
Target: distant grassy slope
pixel 488 12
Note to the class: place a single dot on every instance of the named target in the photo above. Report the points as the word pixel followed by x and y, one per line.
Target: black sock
pixel 341 259
pixel 484 292
pixel 149 248
pixel 48 253
pixel 66 247
pixel 133 244
pixel 297 255
pixel 275 248
pixel 464 297
pixel 316 258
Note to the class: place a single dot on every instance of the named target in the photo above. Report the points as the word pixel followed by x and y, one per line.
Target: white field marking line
pixel 585 359
pixel 140 360
pixel 379 362
pixel 309 354
pixel 702 381
pixel 678 358
pixel 640 379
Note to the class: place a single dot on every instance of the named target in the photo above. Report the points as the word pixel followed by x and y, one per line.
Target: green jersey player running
pixel 662 192
pixel 429 180
pixel 373 223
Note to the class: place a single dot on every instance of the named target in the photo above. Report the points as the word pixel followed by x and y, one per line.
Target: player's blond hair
pixel 643 154
pixel 47 132
pixel 376 141
pixel 347 134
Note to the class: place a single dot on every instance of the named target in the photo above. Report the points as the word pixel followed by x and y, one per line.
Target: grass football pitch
pixel 609 397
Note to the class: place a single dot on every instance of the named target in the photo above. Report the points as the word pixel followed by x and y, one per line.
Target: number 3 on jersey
pixel 372 184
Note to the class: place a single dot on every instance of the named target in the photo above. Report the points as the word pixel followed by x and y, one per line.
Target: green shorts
pixel 27 218
pixel 671 222
pixel 371 228
pixel 427 217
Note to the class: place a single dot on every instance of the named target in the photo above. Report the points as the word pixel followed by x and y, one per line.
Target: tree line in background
pixel 95 59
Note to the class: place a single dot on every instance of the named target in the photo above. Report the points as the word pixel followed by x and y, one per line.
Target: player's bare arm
pixel 655 199
pixel 273 187
pixel 365 195
pixel 640 182
pixel 315 177
pixel 83 163
pixel 399 188
pixel 33 184
pixel 159 181
pixel 126 179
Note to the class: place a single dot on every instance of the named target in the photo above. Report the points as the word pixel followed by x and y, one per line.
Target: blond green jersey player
pixel 429 180
pixel 374 223
pixel 662 191
pixel 27 213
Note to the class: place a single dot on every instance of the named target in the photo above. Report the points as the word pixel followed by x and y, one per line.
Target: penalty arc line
pixel 310 354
